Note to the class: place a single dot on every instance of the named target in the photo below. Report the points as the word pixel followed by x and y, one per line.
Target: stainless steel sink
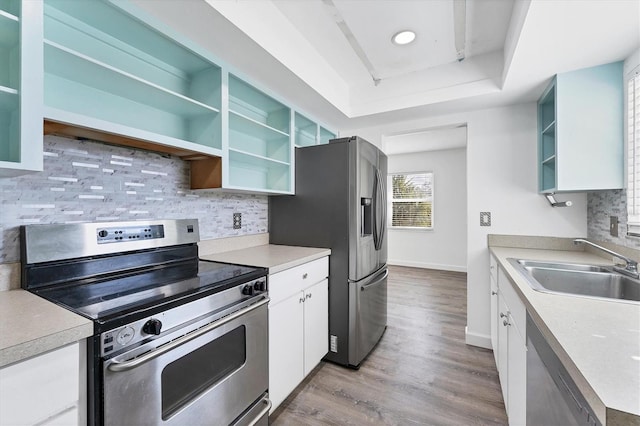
pixel 581 280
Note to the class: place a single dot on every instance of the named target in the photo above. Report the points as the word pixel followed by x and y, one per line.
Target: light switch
pixel 485 218
pixel 613 226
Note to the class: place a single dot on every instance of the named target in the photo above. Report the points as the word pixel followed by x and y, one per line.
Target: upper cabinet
pixel 20 87
pixel 105 70
pixel 309 133
pixel 580 131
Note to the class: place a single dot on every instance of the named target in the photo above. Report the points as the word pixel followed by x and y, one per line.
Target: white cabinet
pixel 48 389
pixel 508 338
pixel 298 325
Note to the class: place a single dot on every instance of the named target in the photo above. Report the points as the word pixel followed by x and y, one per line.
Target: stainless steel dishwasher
pixel 552 396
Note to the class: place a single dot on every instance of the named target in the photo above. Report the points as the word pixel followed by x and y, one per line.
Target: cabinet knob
pixel 502 315
pixel 493 293
pixel 506 323
pixel 308 296
pixel 301 300
pixel 304 276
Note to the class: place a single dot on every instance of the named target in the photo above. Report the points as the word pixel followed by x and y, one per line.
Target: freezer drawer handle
pixel 376 282
pixel 116 366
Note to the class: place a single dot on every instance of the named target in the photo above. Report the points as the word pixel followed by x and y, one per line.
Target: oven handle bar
pixel 117 366
pixel 264 411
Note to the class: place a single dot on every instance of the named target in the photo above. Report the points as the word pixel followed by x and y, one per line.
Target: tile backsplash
pixel 86 181
pixel 600 206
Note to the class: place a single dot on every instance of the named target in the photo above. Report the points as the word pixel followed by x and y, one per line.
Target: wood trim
pixel 207 173
pixel 206 170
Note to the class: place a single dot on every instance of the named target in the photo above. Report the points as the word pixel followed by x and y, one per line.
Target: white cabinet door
pixel 286 342
pixel 316 325
pixel 517 377
pixel 39 389
pixel 503 348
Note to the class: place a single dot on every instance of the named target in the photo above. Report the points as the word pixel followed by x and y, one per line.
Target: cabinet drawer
pixel 284 284
pixel 51 379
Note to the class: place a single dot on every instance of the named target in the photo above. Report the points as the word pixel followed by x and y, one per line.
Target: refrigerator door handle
pixel 383 225
pixel 376 282
pixel 379 211
pixel 376 206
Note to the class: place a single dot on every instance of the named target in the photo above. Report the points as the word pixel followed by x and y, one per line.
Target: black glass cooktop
pixel 108 297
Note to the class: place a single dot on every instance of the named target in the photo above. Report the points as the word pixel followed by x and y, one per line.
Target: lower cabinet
pixel 48 389
pixel 508 323
pixel 298 326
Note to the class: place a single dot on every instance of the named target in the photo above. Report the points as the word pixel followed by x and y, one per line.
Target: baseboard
pixel 425 265
pixel 474 339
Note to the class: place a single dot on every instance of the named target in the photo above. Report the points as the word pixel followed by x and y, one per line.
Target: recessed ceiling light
pixel 403 37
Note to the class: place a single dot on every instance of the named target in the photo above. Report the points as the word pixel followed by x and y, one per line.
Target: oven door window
pixel 186 378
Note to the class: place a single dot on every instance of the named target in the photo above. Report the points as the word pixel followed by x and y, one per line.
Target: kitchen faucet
pixel 631 266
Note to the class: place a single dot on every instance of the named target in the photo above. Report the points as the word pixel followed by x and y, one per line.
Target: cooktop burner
pixel 114 296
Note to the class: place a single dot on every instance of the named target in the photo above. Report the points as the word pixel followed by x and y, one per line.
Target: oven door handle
pixel 117 366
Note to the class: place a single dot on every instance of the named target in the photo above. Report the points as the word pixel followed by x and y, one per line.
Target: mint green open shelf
pixel 326 135
pixel 11 7
pixel 9 50
pixel 249 172
pixel 306 131
pixel 104 64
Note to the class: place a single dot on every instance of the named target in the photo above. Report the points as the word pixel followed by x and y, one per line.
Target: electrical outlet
pixel 237 220
pixel 613 226
pixel 485 218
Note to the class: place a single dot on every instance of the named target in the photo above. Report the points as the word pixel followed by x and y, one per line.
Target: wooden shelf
pixel 549 160
pixel 254 128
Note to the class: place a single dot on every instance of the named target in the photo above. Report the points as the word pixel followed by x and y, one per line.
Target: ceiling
pixel 298 49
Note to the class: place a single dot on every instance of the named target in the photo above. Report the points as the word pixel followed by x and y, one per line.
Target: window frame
pixel 390 201
pixel 633 221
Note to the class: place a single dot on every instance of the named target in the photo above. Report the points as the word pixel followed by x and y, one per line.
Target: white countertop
pixel 598 338
pixel 30 325
pixel 276 258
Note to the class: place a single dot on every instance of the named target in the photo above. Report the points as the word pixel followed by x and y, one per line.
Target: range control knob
pixel 153 326
pixel 103 233
pixel 247 290
pixel 260 286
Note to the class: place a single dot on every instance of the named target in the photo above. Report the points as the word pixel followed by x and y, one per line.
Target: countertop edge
pixel 611 414
pixel 40 345
pixel 300 261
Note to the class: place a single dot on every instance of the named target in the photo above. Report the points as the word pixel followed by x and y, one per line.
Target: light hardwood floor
pixel 421 372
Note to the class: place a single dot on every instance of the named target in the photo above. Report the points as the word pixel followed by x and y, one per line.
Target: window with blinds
pixel 411 200
pixel 633 157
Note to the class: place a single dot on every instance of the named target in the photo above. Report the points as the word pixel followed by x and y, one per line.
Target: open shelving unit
pixel 306 131
pixel 547 140
pixel 106 70
pixel 325 136
pixel 20 87
pixel 259 147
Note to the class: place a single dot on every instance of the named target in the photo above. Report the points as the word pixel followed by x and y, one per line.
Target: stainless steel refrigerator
pixel 340 203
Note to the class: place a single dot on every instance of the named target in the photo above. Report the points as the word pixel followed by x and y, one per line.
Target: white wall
pixel 444 247
pixel 501 179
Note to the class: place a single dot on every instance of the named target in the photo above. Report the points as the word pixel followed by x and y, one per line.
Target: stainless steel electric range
pixel 177 340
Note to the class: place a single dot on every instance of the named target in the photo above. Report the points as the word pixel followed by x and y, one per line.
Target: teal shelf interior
pixel 9 133
pixel 305 131
pixel 547 109
pixel 108 35
pixel 11 7
pixel 548 175
pixel 257 139
pixel 548 145
pixel 326 135
pixel 250 172
pixel 9 51
pixel 248 101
